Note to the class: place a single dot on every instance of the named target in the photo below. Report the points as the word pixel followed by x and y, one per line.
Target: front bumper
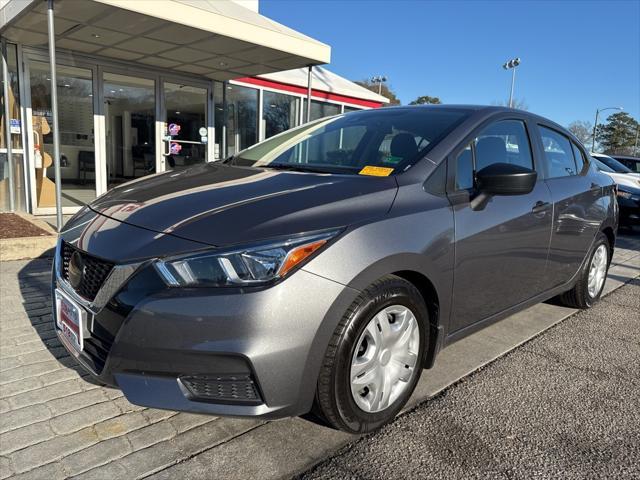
pixel 147 338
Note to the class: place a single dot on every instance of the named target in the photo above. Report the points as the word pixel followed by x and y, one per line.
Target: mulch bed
pixel 14 226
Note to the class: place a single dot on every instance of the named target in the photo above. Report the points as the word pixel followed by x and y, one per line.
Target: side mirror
pixel 502 179
pixel 506 179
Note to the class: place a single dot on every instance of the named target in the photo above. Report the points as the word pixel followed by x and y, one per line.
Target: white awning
pixel 326 81
pixel 218 39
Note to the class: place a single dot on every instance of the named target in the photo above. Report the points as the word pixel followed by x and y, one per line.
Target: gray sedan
pixel 324 268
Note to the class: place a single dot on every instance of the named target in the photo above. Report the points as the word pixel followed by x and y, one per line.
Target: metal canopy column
pixel 309 93
pixel 7 125
pixel 54 114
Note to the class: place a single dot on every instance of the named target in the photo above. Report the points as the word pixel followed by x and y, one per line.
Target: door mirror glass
pixel 506 179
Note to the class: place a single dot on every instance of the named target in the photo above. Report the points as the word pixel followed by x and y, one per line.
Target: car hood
pixel 220 204
pixel 626 179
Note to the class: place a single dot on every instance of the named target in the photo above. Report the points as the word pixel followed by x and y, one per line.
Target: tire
pixel 353 341
pixel 580 296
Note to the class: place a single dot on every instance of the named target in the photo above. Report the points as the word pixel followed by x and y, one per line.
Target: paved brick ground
pixel 55 423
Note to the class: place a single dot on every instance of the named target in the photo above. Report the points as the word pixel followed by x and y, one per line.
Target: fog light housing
pixel 226 389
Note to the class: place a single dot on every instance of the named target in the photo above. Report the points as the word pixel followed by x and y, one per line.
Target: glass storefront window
pixel 186 109
pixel 75 117
pixel 351 109
pixel 16 139
pixel 130 105
pixel 14 101
pixel 218 119
pixel 242 118
pixel 321 110
pixel 280 112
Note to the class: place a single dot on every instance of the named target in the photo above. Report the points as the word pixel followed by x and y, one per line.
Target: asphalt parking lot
pixel 55 423
pixel 565 405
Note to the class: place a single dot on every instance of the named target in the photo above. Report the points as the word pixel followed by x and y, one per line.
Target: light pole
pixel 511 65
pixel 595 125
pixel 379 79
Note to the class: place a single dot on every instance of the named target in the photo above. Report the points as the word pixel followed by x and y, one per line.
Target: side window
pixel 503 142
pixel 579 158
pixel 464 169
pixel 558 153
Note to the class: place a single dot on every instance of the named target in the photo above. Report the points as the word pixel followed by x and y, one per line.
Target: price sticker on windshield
pixel 376 171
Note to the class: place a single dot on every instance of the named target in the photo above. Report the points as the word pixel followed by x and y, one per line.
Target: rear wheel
pixel 590 284
pixel 375 357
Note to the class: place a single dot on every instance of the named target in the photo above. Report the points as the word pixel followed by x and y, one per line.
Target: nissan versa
pixel 322 269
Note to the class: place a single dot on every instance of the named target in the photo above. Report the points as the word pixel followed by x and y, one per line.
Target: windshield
pixel 391 139
pixel 614 164
pixel 601 166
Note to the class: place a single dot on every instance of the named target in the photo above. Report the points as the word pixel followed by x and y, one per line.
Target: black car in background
pixel 628 161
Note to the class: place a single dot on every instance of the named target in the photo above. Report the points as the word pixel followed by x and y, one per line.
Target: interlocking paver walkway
pixel 56 423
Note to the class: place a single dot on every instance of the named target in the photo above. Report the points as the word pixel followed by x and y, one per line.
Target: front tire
pixel 375 357
pixel 592 277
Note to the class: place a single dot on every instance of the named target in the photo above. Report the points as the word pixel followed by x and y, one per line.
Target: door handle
pixel 540 207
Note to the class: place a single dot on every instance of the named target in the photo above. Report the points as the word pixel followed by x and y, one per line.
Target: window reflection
pixel 242 118
pixel 321 109
pixel 280 112
pixel 75 117
pixel 130 123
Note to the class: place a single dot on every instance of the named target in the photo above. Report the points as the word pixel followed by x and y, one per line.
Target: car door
pixel 578 209
pixel 501 249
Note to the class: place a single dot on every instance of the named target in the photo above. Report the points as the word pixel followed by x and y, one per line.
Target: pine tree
pixel 618 135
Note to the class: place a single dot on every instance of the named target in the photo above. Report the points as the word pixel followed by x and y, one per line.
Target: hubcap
pixel 597 271
pixel 385 358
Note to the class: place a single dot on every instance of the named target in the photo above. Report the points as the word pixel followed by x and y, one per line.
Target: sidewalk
pixel 55 423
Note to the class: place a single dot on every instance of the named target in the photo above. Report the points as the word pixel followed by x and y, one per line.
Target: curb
pixel 26 248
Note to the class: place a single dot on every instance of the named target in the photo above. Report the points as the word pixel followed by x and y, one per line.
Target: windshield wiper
pixel 294 168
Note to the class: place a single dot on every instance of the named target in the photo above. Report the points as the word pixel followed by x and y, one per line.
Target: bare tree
pixel 582 130
pixel 518 103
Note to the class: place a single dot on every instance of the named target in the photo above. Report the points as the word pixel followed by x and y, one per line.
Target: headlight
pixel 251 265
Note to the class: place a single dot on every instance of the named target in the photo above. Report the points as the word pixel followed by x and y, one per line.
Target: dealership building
pixel 148 86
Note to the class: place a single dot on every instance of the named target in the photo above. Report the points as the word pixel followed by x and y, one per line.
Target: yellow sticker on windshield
pixel 376 171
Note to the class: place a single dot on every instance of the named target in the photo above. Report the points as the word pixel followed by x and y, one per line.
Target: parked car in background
pixel 615 165
pixel 627 192
pixel 621 175
pixel 325 267
pixel 632 163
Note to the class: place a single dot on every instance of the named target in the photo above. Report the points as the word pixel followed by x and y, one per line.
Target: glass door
pixel 129 113
pixel 186 135
pixel 77 136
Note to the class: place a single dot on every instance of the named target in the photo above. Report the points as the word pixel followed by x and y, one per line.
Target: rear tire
pixel 591 279
pixel 384 333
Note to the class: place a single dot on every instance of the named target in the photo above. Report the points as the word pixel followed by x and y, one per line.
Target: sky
pixel 576 55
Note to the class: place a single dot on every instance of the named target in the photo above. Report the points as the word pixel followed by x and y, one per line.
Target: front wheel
pixel 590 284
pixel 375 357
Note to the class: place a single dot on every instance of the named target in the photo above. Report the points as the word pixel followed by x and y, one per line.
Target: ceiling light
pixel 95 35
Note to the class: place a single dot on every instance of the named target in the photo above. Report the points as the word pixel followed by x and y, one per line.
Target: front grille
pixel 95 272
pixel 222 388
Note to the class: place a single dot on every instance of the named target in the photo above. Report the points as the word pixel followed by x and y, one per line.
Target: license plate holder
pixel 70 319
